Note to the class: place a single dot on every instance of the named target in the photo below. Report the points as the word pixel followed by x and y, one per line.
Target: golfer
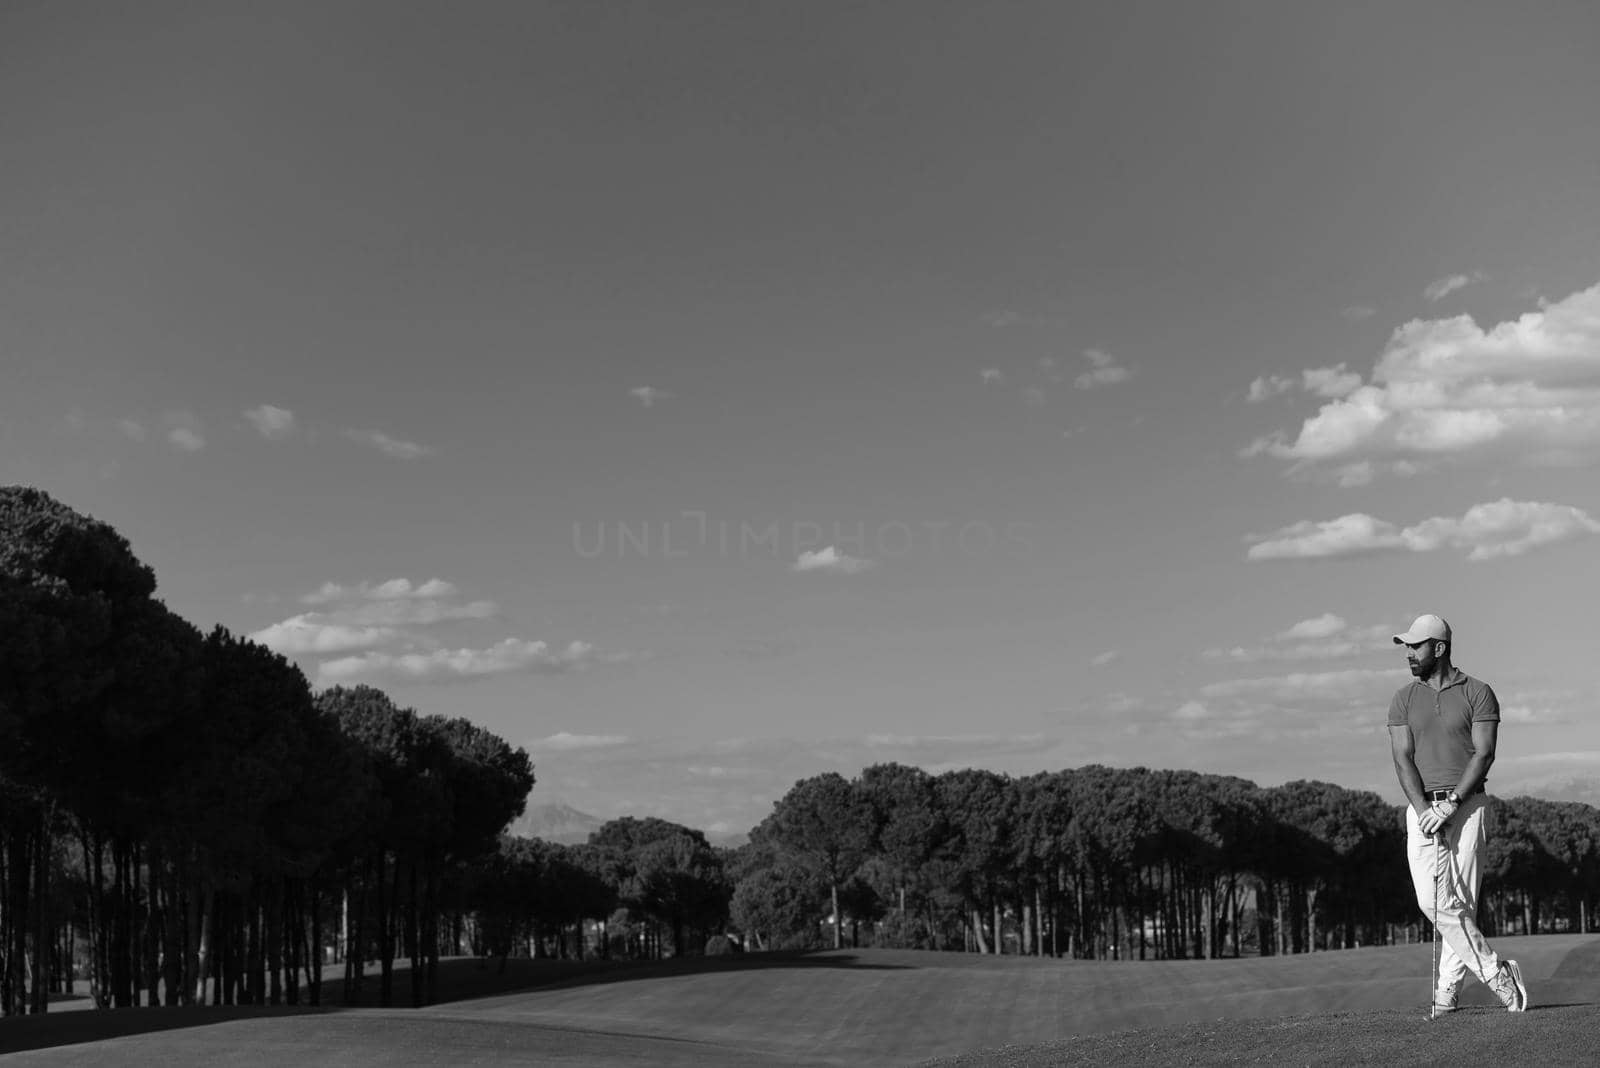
pixel 1442 728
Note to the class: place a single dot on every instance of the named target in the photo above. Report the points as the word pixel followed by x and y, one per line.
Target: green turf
pixel 888 1008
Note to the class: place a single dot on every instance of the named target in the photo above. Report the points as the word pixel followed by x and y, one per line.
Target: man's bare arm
pixel 1485 733
pixel 1405 766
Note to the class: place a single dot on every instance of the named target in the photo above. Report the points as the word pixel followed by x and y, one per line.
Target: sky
pixel 703 396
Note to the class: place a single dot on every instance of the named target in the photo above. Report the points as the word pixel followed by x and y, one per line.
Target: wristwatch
pixel 1453 797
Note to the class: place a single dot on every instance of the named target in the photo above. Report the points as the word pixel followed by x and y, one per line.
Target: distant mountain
pixel 555 823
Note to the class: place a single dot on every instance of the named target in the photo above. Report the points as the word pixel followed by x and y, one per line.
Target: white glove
pixel 1435 816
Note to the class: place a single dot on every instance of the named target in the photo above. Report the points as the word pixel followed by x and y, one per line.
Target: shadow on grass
pixel 1582 963
pixel 459 979
pixel 469 978
pixel 18 1033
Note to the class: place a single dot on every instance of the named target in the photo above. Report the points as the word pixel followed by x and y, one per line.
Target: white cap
pixel 1429 628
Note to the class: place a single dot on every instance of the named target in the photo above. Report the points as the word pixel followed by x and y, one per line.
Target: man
pixel 1443 728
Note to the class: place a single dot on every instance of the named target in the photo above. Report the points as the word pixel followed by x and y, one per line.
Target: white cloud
pixel 831 559
pixel 328 591
pixel 1440 288
pixel 1192 711
pixel 562 741
pixel 400 450
pixel 1332 381
pixel 1104 370
pixel 648 395
pixel 1105 658
pixel 718 771
pixel 1118 702
pixel 1357 474
pixel 386 623
pixel 363 626
pixel 1493 529
pixel 445 665
pixel 421 611
pixel 1323 626
pixel 132 428
pixel 1503 528
pixel 185 438
pixel 1268 386
pixel 1317 650
pixel 1033 396
pixel 1446 387
pixel 391 589
pixel 1347 534
pixel 1002 319
pixel 1534 716
pixel 397 588
pixel 270 421
pixel 991 376
pixel 394 603
pixel 1305 685
pixel 311 634
pixel 1324 637
pixel 1363 472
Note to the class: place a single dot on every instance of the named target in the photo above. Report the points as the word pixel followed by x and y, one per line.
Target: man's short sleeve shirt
pixel 1441 724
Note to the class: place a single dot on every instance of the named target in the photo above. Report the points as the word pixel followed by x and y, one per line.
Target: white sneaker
pixel 1446 1001
pixel 1509 987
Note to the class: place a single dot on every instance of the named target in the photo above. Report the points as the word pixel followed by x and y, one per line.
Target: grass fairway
pixel 881 1007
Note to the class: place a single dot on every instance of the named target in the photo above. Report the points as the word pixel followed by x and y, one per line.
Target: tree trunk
pixel 293 927
pixel 120 980
pixel 314 957
pixel 172 948
pixel 1236 907
pixel 413 936
pixel 13 921
pixel 1038 920
pixel 355 948
pixel 385 933
pixel 41 913
pixel 194 964
pixel 99 951
pixel 206 949
pixel 155 924
pixel 1282 932
pixel 432 948
pixel 1311 920
pixel 838 934
pixel 276 902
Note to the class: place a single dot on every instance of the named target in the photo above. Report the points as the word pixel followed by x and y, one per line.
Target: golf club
pixel 1433 992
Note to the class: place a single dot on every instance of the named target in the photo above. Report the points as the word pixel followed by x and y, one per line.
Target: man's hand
pixel 1435 816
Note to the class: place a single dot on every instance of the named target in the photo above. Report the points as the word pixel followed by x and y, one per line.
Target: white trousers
pixel 1446 875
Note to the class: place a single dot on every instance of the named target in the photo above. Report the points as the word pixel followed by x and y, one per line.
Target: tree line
pixel 1091 863
pixel 1118 863
pixel 183 820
